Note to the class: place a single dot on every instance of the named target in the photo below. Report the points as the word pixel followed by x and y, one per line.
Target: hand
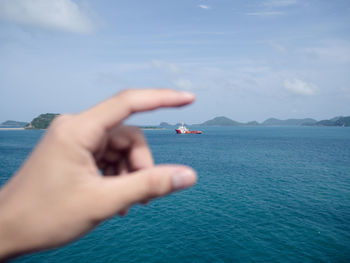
pixel 59 193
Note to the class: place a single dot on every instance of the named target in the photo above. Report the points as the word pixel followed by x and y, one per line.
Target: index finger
pixel 117 108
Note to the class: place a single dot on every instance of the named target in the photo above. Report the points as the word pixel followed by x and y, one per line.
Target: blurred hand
pixel 60 194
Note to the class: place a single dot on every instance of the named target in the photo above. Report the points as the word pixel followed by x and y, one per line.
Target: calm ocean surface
pixel 264 194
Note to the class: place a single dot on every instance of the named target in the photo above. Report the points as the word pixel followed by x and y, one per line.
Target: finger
pixel 123 167
pixel 127 151
pixel 140 156
pixel 109 170
pixel 147 184
pixel 102 148
pixel 117 108
pixel 119 167
pixel 112 156
pixel 131 137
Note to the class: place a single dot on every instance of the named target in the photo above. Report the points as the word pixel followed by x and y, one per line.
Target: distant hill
pixel 288 122
pixel 224 121
pixel 321 123
pixel 336 118
pixel 337 121
pixel 42 121
pixel 13 124
pixel 220 121
pixel 252 123
pixel 165 124
pixel 343 121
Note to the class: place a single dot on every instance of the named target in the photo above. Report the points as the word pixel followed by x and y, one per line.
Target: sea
pixel 264 194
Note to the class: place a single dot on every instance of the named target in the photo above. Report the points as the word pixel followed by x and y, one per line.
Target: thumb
pixel 148 183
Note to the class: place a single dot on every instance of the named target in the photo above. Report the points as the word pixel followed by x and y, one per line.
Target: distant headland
pixel 41 122
pixel 44 120
pixel 224 121
pixel 13 124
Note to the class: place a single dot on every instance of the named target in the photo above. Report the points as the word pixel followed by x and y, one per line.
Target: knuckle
pixel 126 97
pixel 125 94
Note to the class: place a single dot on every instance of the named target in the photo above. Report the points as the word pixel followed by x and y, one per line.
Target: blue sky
pixel 247 60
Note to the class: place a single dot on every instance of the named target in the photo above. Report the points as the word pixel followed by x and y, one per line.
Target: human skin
pixel 87 168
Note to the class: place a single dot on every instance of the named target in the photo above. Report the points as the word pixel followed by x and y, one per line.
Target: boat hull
pixel 187 132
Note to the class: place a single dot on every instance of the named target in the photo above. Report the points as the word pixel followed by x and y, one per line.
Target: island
pixel 288 122
pixel 151 128
pixel 225 121
pixel 13 124
pixel 43 121
pixel 336 121
pixel 165 124
pixel 220 121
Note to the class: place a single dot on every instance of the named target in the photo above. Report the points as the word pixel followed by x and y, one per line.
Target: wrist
pixel 9 227
pixel 7 248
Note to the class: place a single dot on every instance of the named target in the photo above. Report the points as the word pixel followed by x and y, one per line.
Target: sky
pixel 247 60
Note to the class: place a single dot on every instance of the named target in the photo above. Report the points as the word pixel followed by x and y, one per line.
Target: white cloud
pixel 63 15
pixel 279 3
pixel 204 7
pixel 265 13
pixel 300 87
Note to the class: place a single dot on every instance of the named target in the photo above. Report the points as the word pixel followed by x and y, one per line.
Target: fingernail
pixel 182 179
pixel 187 94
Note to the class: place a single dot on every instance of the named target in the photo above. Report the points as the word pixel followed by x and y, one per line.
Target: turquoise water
pixel 265 194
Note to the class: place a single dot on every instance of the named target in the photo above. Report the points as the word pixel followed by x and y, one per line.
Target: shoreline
pixel 11 129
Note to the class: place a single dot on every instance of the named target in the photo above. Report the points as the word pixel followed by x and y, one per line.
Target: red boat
pixel 183 130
